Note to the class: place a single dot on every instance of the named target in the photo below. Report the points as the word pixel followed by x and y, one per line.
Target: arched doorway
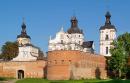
pixel 20 74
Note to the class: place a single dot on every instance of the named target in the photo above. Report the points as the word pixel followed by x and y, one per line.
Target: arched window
pixel 106 37
pixel 106 50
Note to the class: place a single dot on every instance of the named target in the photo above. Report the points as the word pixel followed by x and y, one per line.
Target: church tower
pixel 23 39
pixel 27 51
pixel 107 35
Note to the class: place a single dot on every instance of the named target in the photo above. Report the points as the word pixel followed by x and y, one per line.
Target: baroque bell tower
pixel 107 35
pixel 23 39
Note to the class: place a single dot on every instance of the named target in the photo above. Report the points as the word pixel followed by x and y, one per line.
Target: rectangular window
pixel 79 42
pixel 106 50
pixel 106 37
pixel 62 42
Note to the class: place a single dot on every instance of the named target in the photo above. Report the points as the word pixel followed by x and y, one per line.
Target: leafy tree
pixel 125 39
pixel 120 52
pixel 9 50
pixel 40 54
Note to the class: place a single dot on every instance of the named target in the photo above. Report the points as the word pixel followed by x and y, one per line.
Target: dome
pixel 23 32
pixel 108 24
pixel 74 26
pixel 74 30
pixel 107 27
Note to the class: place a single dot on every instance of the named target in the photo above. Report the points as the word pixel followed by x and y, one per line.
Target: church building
pixel 73 39
pixel 27 51
pixel 69 55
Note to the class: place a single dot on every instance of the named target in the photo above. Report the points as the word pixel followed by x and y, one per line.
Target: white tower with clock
pixel 107 35
pixel 27 51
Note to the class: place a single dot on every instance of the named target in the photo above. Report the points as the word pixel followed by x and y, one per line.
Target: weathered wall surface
pixel 63 65
pixel 32 69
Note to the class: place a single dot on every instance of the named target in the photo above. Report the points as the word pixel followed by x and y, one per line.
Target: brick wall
pixel 63 65
pixel 32 69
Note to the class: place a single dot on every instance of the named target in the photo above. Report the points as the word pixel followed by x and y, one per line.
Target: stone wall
pixel 32 69
pixel 64 65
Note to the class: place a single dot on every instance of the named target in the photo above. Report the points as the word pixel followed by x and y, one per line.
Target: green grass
pixel 5 79
pixel 35 80
pixel 2 78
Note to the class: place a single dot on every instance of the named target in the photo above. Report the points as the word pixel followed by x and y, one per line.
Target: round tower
pixel 59 64
pixel 107 35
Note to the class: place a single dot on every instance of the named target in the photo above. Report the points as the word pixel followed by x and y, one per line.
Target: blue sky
pixel 45 17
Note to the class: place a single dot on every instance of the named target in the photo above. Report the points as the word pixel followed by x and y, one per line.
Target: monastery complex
pixel 69 55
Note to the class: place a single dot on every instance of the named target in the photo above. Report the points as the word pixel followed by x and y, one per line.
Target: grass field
pixel 2 79
pixel 29 80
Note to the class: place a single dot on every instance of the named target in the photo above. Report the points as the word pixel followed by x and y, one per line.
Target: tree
pixel 9 50
pixel 40 54
pixel 120 52
pixel 125 39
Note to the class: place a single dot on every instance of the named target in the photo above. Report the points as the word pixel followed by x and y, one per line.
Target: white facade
pixel 73 39
pixel 65 41
pixel 27 53
pixel 106 38
pixel 23 41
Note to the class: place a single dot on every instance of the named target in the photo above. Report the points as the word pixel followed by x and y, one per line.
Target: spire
pixel 108 24
pixel 108 16
pixel 74 22
pixel 23 27
pixel 74 26
pixel 23 32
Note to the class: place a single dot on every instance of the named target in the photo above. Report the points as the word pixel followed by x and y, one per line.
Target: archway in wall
pixel 20 74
